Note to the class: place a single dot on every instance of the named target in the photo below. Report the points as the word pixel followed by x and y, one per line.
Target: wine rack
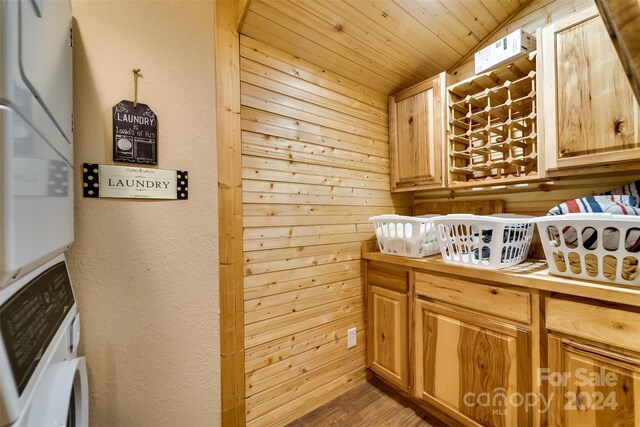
pixel 493 136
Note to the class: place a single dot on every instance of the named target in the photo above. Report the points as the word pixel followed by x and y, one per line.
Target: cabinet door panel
pixel 592 387
pixel 388 327
pixel 417 135
pixel 590 114
pixel 471 368
pixel 595 100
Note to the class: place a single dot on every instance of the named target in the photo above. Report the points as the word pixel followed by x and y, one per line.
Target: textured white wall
pixel 145 272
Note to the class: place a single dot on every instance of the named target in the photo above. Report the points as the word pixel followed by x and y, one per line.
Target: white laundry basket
pixel 485 241
pixel 406 235
pixel 592 246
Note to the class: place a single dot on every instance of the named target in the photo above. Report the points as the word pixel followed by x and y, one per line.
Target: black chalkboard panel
pixel 135 133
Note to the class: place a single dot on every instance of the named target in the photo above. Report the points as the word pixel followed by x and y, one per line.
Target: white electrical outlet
pixel 351 338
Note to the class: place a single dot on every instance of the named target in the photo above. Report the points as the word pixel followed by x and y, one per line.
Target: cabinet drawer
pixel 493 300
pixel 619 328
pixel 388 276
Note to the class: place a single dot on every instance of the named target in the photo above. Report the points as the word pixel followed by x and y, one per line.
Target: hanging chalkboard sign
pixel 135 133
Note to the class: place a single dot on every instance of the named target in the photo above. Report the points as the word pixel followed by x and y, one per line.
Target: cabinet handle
pixel 621 126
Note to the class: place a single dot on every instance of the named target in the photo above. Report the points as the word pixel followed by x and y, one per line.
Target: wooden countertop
pixel 529 274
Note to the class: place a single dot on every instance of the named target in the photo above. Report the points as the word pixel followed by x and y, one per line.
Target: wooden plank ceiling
pixel 386 45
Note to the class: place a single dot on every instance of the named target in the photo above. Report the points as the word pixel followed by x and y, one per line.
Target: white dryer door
pixel 62 399
pixel 46 58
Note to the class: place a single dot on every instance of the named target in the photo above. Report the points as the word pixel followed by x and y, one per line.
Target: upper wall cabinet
pixel 590 113
pixel 417 130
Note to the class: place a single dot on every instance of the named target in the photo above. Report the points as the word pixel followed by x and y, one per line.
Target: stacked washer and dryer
pixel 43 382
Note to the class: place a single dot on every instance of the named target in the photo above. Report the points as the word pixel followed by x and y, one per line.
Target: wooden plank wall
pixel 315 167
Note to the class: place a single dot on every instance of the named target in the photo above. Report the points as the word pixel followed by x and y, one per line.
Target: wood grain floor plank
pixel 370 404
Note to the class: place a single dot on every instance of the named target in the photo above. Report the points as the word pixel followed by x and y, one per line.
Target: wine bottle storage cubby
pixel 493 126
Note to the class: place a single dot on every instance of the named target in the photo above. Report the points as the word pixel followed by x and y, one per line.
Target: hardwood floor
pixel 370 404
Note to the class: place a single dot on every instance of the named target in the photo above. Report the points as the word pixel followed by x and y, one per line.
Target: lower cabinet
pixel 388 323
pixel 593 374
pixel 388 346
pixel 485 355
pixel 471 367
pixel 591 386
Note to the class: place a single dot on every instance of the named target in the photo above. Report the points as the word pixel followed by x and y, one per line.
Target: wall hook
pixel 136 74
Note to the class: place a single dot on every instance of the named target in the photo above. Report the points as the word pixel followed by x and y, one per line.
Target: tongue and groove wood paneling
pixel 536 14
pixel 386 45
pixel 315 167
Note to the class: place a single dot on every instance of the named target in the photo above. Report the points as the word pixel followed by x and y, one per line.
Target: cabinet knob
pixel 621 126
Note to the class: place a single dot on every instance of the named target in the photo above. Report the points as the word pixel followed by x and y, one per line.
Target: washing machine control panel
pixel 30 318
